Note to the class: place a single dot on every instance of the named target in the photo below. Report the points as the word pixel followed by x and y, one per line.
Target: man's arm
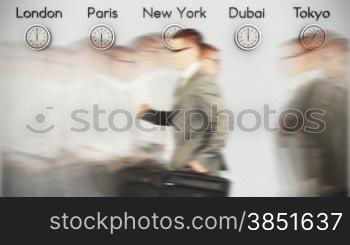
pixel 162 118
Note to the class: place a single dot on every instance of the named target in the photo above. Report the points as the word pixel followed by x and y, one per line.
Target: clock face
pixel 313 37
pixel 37 37
pixel 247 37
pixel 102 37
pixel 168 35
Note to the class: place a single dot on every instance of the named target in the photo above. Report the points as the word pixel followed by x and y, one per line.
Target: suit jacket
pixel 320 156
pixel 200 129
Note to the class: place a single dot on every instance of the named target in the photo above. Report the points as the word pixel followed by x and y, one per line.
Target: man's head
pixel 187 48
pixel 297 59
pixel 330 58
pixel 210 58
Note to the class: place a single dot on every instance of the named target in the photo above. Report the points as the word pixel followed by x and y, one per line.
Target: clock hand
pixel 313 37
pixel 248 34
pixel 37 34
pixel 101 39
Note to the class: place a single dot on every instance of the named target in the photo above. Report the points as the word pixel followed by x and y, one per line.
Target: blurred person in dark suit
pixel 200 132
pixel 317 143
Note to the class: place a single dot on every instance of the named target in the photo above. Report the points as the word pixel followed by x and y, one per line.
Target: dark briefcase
pixel 153 180
pixel 189 184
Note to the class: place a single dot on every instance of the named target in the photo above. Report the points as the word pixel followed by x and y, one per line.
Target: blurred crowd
pixel 40 90
pixel 51 84
pixel 46 153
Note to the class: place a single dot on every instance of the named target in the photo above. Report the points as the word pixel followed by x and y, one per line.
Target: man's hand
pixel 143 109
pixel 197 167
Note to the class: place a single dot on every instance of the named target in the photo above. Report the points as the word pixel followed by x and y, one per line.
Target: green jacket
pixel 200 128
